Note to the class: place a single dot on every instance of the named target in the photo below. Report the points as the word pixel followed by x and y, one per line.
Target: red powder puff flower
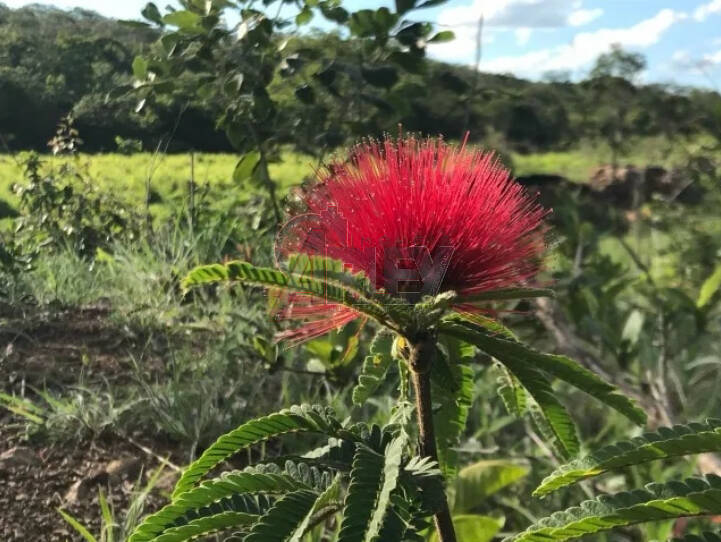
pixel 418 218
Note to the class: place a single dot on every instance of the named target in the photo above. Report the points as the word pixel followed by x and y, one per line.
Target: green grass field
pixel 126 176
pixel 578 164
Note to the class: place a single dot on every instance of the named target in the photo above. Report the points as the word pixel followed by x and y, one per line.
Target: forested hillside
pixel 53 63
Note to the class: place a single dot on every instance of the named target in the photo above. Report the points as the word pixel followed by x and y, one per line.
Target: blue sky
pixel 680 38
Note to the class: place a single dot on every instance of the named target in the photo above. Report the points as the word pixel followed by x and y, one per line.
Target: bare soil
pixel 51 350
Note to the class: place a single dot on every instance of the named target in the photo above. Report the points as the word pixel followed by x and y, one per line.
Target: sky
pixel 681 39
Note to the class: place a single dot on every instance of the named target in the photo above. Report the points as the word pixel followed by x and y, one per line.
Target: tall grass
pixel 168 174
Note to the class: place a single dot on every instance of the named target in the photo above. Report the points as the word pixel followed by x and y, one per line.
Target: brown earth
pixel 51 350
pixel 37 480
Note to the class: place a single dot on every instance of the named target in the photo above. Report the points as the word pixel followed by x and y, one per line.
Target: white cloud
pixel 586 46
pixel 582 17
pixel 523 35
pixel 521 16
pixel 683 60
pixel 517 13
pixel 713 58
pixel 704 10
pixel 527 13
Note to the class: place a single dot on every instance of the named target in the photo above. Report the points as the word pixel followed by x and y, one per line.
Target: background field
pixel 127 175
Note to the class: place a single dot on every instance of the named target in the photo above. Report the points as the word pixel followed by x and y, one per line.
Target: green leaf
pixel 404 5
pixel 511 392
pixel 443 37
pixel 399 521
pixel 366 23
pixel 331 271
pixel 454 397
pixel 710 286
pixel 293 420
pixel 107 515
pixel 140 68
pixel 328 499
pixel 476 482
pixel 22 407
pixel 183 19
pixel 211 491
pixel 507 293
pixel 152 13
pixel 555 423
pixel 372 480
pixel 550 415
pixel 304 16
pixel 676 441
pixel 411 34
pixel 333 13
pixel 431 3
pixel 79 528
pixel 657 502
pixel 206 525
pixel 391 470
pixel 494 327
pixel 245 167
pixel 336 288
pixel 507 351
pixel 474 528
pixel 281 522
pixel 375 367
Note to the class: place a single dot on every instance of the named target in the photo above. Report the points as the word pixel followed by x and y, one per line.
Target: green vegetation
pixel 319 97
pixel 127 177
pixel 136 246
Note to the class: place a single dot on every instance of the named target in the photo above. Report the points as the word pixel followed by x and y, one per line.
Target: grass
pixel 578 164
pixel 168 174
pixel 191 368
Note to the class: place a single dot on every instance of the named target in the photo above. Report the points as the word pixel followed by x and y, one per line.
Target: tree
pixel 613 97
pixel 244 72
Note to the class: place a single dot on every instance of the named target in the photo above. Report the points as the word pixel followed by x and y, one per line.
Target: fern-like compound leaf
pixel 511 392
pixel 666 442
pixel 375 367
pixel 453 390
pixel 329 500
pixel 212 491
pixel 656 502
pixel 372 481
pixel 509 351
pixel 206 525
pixel 293 420
pixel 329 288
pixel 548 413
pixel 281 522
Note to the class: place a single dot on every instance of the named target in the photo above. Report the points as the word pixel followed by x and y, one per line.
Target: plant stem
pixel 422 352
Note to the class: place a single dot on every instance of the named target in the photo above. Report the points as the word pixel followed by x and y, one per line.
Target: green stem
pixel 421 358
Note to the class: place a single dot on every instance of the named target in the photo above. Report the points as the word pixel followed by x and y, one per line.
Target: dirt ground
pixel 37 480
pixel 49 351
